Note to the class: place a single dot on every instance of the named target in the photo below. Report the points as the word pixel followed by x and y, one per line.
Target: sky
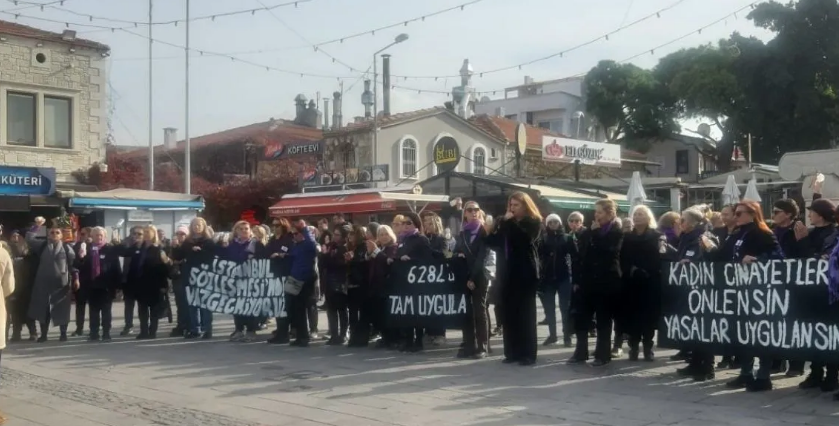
pixel 492 34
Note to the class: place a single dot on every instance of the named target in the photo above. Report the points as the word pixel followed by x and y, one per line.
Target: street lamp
pixel 399 39
pixel 579 116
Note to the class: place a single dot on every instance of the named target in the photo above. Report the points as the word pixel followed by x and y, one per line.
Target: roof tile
pixel 15 29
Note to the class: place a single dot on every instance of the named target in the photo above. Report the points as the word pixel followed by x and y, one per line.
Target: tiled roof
pixel 260 133
pixel 390 120
pixel 15 29
pixel 505 128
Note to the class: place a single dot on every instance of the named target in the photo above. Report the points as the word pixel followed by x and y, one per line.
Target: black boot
pixel 634 351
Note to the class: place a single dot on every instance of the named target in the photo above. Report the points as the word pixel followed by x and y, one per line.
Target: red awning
pixel 331 204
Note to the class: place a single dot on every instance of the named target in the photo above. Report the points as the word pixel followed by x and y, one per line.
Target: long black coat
pixel 148 282
pixel 641 269
pixel 602 261
pixel 475 252
pixel 110 269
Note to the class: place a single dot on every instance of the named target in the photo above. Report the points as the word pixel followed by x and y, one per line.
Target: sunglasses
pixel 472 210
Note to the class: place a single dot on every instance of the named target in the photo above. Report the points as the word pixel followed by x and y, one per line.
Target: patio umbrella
pixel 751 191
pixel 730 193
pixel 636 195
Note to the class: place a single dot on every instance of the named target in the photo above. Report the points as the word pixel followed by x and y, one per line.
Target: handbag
pixel 292 286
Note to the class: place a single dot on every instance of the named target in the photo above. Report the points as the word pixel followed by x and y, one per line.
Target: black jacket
pixel 279 246
pixel 438 246
pixel 751 241
pixel 554 255
pixel 110 269
pixel 601 261
pixel 579 242
pixel 334 275
pixel 475 252
pixel 641 257
pixel 147 277
pixel 415 246
pixel 359 268
pixel 690 245
pixel 517 243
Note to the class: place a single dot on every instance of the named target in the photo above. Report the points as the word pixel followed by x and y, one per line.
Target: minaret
pixel 367 100
pixel 464 96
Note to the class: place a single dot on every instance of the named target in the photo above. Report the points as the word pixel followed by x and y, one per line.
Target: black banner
pixel 430 294
pixel 248 288
pixel 776 308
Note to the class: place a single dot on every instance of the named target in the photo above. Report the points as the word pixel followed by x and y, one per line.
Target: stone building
pixel 53 95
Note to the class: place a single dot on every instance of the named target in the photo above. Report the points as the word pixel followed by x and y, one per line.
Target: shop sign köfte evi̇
pixel 590 153
pixel 27 180
pixel 280 150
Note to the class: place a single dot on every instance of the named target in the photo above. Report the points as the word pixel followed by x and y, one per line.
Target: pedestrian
pixel 178 279
pixel 334 283
pixel 515 237
pixel 278 248
pixel 240 247
pixel 555 280
pixel 55 279
pixel 382 253
pixel 147 280
pixel 198 245
pixel 100 273
pixel 80 295
pixel 7 287
pixel 412 245
pixel 472 248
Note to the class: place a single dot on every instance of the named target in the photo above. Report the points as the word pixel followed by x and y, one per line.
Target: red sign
pixel 249 216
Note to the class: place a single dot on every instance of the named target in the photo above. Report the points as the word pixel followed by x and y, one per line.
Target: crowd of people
pixel 605 277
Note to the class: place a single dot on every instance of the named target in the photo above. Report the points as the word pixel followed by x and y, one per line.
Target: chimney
pixel 499 112
pixel 300 109
pixel 367 100
pixel 325 114
pixel 528 80
pixel 386 84
pixel 337 118
pixel 170 138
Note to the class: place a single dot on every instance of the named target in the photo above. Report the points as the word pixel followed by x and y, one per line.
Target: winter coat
pixel 415 246
pixel 51 288
pixel 601 261
pixel 7 287
pixel 475 252
pixel 281 245
pixel 147 276
pixel 751 241
pixel 641 271
pixel 110 269
pixel 304 256
pixel 516 244
pixel 359 268
pixel 555 257
pixel 380 270
pixel 334 275
pixel 439 246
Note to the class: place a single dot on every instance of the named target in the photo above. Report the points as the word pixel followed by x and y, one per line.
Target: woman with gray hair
pixel 555 255
pixel 55 278
pixel 100 273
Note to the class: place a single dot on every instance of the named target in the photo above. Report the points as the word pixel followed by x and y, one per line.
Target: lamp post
pixel 399 39
pixel 579 115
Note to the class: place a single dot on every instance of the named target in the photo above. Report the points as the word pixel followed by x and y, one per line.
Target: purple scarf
pixel 833 275
pixel 94 261
pixel 406 234
pixel 472 229
pixel 605 229
pixel 779 231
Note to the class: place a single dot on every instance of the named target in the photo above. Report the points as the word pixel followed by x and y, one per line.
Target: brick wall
pixel 78 76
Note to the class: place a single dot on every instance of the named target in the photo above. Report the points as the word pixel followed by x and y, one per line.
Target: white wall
pixel 167 220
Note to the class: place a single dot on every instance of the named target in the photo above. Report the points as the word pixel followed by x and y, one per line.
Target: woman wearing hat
pixel 516 236
pixel 472 247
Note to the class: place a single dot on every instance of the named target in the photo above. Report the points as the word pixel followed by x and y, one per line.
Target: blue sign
pixel 27 180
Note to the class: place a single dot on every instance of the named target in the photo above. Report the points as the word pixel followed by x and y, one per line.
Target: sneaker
pixel 617 352
pixel 705 376
pixel 551 340
pixel 741 382
pixel 566 342
pixel 78 332
pixel 811 382
pixel 759 385
pixel 126 331
pixel 237 336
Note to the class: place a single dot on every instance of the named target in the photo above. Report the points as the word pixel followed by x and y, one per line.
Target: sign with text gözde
pixel 428 294
pixel 247 288
pixel 565 150
pixel 776 308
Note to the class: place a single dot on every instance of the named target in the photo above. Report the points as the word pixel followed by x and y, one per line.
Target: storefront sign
pixel 521 138
pixel 590 153
pixel 446 154
pixel 249 288
pixel 278 150
pixel 140 216
pixel 428 294
pixel 777 308
pixel 27 180
pixel 370 174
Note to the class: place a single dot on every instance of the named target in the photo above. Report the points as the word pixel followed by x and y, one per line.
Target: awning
pixel 130 199
pixel 354 203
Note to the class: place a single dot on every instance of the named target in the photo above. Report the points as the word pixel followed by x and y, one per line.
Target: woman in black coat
pixel 197 246
pixel 601 283
pixel 471 247
pixel 413 245
pixel 515 238
pixel 358 280
pixel 18 302
pixel 100 274
pixel 147 279
pixel 333 281
pixel 641 268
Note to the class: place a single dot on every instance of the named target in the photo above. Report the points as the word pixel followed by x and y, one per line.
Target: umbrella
pixel 730 193
pixel 636 195
pixel 751 191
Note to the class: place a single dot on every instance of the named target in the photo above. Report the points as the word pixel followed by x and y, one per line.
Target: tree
pixel 629 103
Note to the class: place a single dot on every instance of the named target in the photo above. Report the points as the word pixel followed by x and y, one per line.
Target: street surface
pixel 173 382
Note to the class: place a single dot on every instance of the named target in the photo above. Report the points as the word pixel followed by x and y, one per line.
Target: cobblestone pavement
pixel 175 382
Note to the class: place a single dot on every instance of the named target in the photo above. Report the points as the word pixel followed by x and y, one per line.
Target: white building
pixel 53 96
pixel 552 104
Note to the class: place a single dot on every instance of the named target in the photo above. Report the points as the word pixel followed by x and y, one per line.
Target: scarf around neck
pixel 472 228
pixel 405 234
pixel 95 263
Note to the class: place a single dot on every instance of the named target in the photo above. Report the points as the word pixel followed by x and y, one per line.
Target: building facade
pixel 53 100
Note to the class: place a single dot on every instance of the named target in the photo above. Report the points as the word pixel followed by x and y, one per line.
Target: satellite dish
pixel 704 129
pixel 485 99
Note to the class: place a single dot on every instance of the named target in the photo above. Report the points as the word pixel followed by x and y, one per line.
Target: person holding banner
pixel 755 242
pixel 241 247
pixel 413 244
pixel 300 282
pixel 382 254
pixel 278 249
pixel 471 246
pixel 147 280
pixel 100 273
pixel 516 238
pixel 601 283
pixel 199 243
pixel 641 269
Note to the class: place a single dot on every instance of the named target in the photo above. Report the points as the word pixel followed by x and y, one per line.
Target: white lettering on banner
pixel 428 305
pixel 20 180
pixel 429 274
pixel 248 288
pixel 761 333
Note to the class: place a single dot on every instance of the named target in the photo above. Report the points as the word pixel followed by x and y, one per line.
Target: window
pixel 57 122
pixel 409 158
pixel 479 160
pixel 545 124
pixel 20 119
pixel 512 117
pixel 552 125
pixel 682 162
